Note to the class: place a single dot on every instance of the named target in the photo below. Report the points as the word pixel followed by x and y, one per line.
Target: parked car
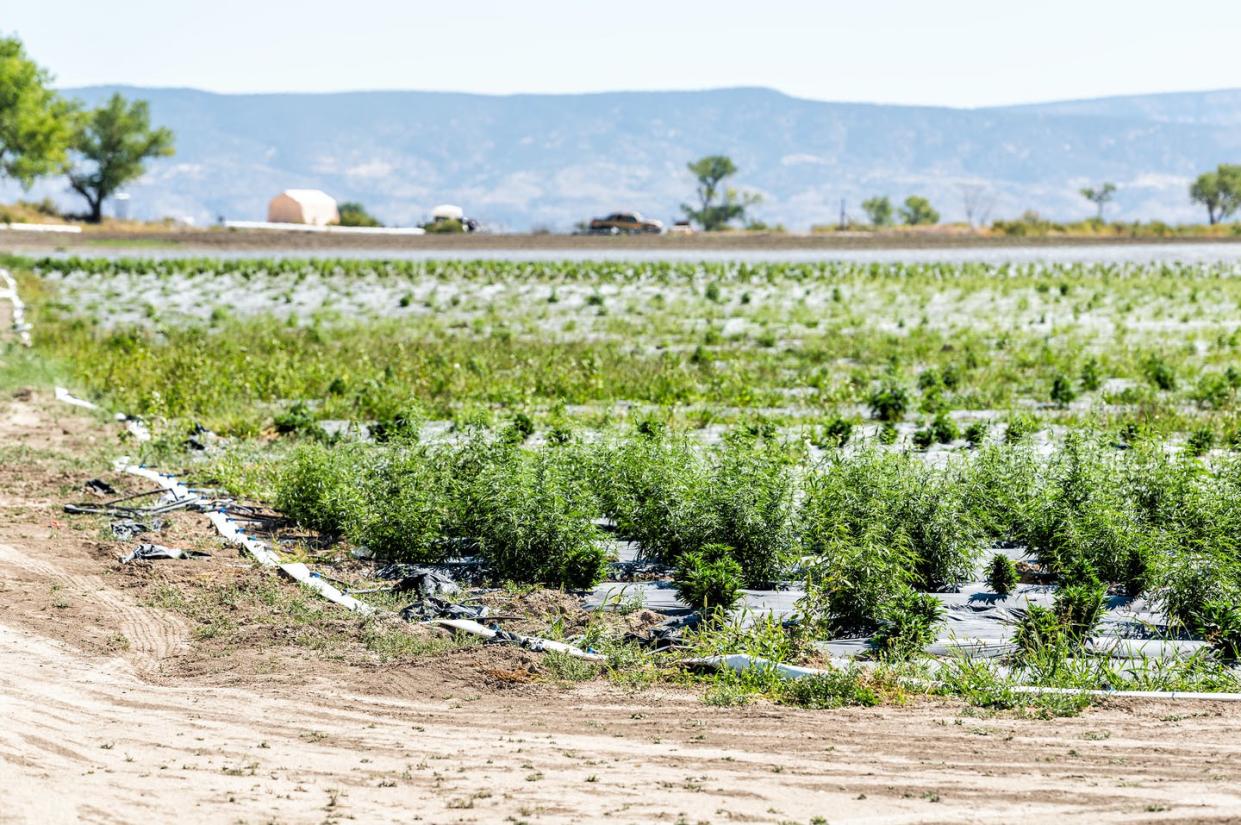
pixel 627 223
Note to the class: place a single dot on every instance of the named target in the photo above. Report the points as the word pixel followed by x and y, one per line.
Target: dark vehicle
pixel 626 223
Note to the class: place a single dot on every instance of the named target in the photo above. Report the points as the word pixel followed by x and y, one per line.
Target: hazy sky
pixel 951 52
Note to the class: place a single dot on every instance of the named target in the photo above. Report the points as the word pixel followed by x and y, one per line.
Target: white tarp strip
pixel 534 642
pixel 67 397
pixel 41 227
pixel 9 293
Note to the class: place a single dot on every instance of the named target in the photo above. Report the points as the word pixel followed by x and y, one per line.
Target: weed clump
pixel 845 687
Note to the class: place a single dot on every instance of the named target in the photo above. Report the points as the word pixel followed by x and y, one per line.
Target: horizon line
pixel 604 93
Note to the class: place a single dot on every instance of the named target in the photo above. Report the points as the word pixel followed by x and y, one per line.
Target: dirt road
pixel 105 240
pixel 118 711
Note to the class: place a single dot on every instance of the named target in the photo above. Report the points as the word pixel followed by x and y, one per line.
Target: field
pixel 949 487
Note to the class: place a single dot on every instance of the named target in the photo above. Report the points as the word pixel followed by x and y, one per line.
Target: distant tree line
pixel 42 134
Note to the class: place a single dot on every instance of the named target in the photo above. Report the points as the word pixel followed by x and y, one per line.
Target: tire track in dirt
pixel 153 634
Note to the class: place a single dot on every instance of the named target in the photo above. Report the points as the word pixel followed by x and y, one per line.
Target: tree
pixel 878 210
pixel 114 140
pixel 918 211
pixel 977 201
pixel 716 208
pixel 36 125
pixel 1218 191
pixel 353 213
pixel 1099 197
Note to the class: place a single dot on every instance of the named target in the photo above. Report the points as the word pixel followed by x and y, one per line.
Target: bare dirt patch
pixel 241 703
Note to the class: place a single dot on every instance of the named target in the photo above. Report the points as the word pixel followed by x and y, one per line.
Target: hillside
pixel 528 160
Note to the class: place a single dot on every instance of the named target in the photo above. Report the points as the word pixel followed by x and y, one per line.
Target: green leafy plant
pixel 889 402
pixel 907 624
pixel 1002 575
pixel 838 688
pixel 708 579
pixel 1078 608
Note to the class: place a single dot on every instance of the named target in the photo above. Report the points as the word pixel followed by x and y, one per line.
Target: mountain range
pixel 522 161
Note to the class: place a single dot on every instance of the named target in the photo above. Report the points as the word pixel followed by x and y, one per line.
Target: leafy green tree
pixel 1100 197
pixel 114 141
pixel 353 213
pixel 718 206
pixel 1219 191
pixel 878 210
pixel 918 211
pixel 36 125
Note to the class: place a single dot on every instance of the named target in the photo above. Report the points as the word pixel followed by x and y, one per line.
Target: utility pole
pixel 843 224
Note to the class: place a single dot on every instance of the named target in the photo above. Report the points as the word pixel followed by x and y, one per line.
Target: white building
pixel 308 206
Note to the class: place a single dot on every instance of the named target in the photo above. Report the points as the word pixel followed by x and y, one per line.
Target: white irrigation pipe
pixel 42 227
pixel 229 530
pixel 9 292
pixel 741 662
pixel 532 642
pixel 135 426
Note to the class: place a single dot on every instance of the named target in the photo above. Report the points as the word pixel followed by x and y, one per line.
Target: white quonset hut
pixel 447 212
pixel 308 206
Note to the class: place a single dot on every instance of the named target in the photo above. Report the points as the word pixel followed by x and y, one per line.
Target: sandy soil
pixel 116 711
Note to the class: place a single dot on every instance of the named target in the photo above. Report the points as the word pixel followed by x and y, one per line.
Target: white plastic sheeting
pixel 531 642
pixel 8 291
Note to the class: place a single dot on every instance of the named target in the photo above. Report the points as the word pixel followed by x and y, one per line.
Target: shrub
pixel 654 486
pixel 1192 581
pixel 708 579
pixel 1219 623
pixel 398 425
pixel 521 427
pixel 1160 373
pixel 888 433
pixel 1002 575
pixel 1020 427
pixel 848 580
pixel 907 624
pixel 750 498
pixel 976 434
pixel 939 430
pixel 923 438
pixel 1078 608
pixel 1062 392
pixel 895 500
pixel 1090 377
pixel 834 689
pixel 320 488
pixel 944 428
pixel 889 402
pixel 1038 633
pixel 299 420
pixel 835 432
pixel 535 520
pixel 583 567
pixel 1200 441
pixel 406 508
pixel 1000 488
